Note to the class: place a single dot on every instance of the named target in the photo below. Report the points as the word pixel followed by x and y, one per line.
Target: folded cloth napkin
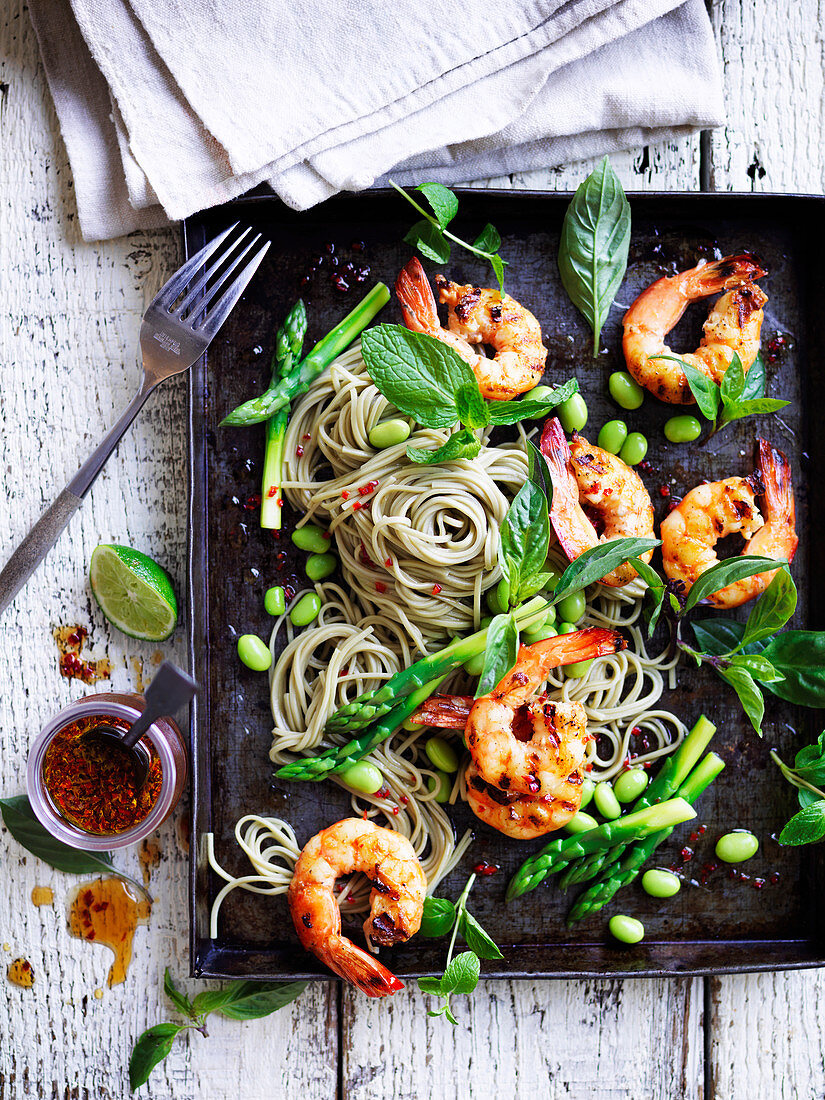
pixel 171 106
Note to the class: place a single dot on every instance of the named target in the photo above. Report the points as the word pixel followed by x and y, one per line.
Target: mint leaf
pixel 500 653
pixel 807 826
pixel 497 265
pixel 511 412
pixel 442 200
pixel 461 444
pixel 430 241
pixel 488 240
pixel 433 987
pixel 477 939
pixel 437 918
pixel 472 409
pixel 462 975
pixel 810 762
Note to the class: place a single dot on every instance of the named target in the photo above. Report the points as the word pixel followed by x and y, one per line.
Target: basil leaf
pixel 717 636
pixel 599 560
pixel 704 389
pixel 429 241
pixel 733 381
pixel 655 592
pixel 26 829
pixel 462 975
pixel 510 412
pixel 531 585
pixel 539 472
pixel 417 373
pixel 749 694
pixel 477 939
pixel 211 999
pixel 461 444
pixel 757 666
pixel 772 610
pixel 432 986
pixel 800 656
pixel 178 999
pixel 150 1049
pixel 524 538
pixel 810 761
pixel 595 239
pixel 437 918
pixel 756 380
pixel 807 826
pixel 500 654
pixel 471 407
pixel 252 1000
pixel 726 572
pixel 736 410
pixel 443 202
pixel 488 240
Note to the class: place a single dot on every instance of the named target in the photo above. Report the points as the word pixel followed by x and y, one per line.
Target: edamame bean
pixel 581 823
pixel 633 449
pixel 254 652
pixel 553 578
pixel 606 802
pixel 573 413
pixel 567 628
pixel 445 785
pixel 578 670
pixel 572 607
pixel 498 598
pixel 682 429
pixel 275 601
pixel 660 884
pixel 630 784
pixel 311 538
pixel 320 566
pixel 612 436
pixel 363 777
pixel 410 726
pixel 626 929
pixel 625 390
pixel 538 393
pixel 305 610
pixel 588 787
pixel 442 754
pixel 538 634
pixel 389 433
pixel 475 665
pixel 737 846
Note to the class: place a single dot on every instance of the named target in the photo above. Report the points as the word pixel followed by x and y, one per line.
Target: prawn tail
pixel 416 298
pixel 448 712
pixel 777 484
pixel 724 274
pixel 581 645
pixel 564 508
pixel 360 969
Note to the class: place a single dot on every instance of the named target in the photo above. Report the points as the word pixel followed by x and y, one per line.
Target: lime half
pixel 134 592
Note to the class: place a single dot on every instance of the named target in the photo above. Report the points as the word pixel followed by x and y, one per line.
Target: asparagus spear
pixel 279 395
pixel 600 893
pixel 340 757
pixel 584 869
pixel 288 345
pixel 673 772
pixel 633 826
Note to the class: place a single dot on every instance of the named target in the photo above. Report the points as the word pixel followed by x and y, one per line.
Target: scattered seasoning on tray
pixel 106 911
pixel 92 785
pixel 70 640
pixel 485 868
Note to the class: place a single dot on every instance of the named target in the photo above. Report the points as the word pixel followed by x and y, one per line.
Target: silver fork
pixel 174 334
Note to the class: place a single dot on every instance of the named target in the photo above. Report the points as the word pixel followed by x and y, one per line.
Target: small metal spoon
pixel 170 690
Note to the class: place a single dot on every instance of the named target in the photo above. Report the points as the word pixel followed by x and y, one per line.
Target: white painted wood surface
pixel 68 324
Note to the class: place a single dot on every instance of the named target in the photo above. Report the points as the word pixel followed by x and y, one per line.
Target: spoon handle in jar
pixel 170 690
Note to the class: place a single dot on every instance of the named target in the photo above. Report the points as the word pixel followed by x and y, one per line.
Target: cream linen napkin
pixel 171 106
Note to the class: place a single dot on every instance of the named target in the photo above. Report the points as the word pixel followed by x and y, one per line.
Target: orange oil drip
pixel 70 640
pixel 106 911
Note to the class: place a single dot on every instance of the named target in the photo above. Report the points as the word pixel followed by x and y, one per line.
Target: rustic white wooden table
pixel 69 315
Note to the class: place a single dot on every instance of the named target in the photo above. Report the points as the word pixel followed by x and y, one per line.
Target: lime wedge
pixel 134 592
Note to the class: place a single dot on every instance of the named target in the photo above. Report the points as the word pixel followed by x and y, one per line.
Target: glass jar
pixel 163 734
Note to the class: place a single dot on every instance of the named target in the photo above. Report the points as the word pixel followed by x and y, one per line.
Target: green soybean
pixel 660 884
pixel 254 652
pixel 410 726
pixel 567 628
pixel 498 598
pixel 305 610
pixel 588 787
pixel 737 846
pixel 626 929
pixel 320 566
pixel 538 393
pixel 606 802
pixel 475 665
pixel 538 634
pixel 612 436
pixel 625 390
pixel 581 823
pixel 311 538
pixel 572 607
pixel 573 413
pixel 363 777
pixel 275 601
pixel 442 754
pixel 630 784
pixel 553 578
pixel 389 433
pixel 445 785
pixel 633 449
pixel 578 669
pixel 682 429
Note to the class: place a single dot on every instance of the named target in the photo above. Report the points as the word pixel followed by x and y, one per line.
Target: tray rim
pixel 207 960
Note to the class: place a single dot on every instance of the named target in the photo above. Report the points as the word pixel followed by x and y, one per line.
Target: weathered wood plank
pixel 579 1040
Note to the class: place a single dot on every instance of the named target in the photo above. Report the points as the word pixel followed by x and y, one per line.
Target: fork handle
pixel 45 533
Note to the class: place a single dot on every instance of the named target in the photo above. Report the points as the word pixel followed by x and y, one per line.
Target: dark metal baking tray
pixel 727 926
